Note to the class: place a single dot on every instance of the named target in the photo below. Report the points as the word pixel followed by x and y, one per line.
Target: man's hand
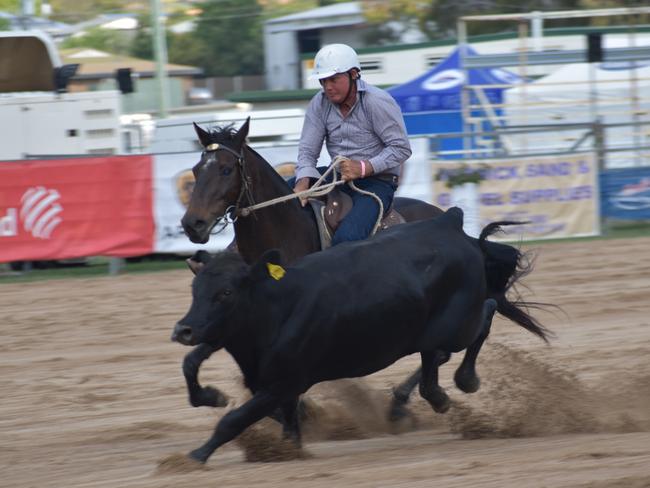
pixel 301 185
pixel 350 169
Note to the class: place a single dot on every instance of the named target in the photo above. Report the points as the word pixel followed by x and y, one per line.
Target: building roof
pixel 338 14
pixel 121 21
pixel 99 64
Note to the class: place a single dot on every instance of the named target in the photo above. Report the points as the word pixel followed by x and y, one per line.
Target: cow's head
pixel 220 295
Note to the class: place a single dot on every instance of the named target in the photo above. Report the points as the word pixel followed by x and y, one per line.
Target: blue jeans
pixel 357 225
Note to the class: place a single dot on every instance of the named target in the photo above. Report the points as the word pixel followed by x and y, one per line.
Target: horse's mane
pixel 225 134
pixel 222 134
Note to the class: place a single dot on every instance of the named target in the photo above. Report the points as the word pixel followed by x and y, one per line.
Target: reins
pixel 317 189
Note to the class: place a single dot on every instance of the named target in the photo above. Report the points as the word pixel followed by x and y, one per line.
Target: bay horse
pixel 230 176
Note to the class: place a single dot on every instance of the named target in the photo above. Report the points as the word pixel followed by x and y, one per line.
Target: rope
pixel 319 189
pixel 377 199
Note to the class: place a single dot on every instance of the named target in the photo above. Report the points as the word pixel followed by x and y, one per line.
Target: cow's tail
pixel 505 265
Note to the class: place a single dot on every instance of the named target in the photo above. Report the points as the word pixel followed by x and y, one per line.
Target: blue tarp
pixel 431 103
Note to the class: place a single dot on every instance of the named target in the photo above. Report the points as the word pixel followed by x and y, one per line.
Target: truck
pixel 39 118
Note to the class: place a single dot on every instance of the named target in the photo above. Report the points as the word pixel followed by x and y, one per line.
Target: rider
pixel 361 122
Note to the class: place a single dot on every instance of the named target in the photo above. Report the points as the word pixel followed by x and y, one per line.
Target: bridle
pixel 232 213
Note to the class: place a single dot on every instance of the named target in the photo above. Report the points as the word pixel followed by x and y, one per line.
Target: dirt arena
pixel 92 393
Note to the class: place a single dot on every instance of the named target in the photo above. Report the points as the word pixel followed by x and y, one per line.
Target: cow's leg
pixel 430 390
pixel 199 395
pixel 402 393
pixel 235 422
pixel 401 396
pixel 465 377
pixel 291 422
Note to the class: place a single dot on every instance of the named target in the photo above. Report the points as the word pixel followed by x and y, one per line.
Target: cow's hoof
pixel 209 397
pixel 398 411
pixel 441 405
pixel 466 381
pixel 437 398
pixel 199 455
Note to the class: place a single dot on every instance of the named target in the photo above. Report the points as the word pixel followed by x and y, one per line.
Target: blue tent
pixel 431 103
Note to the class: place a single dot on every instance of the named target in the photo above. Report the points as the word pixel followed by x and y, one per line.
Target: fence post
pixel 115 265
pixel 601 155
pixel 598 131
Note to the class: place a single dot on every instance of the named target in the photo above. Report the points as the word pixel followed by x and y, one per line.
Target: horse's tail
pixel 505 265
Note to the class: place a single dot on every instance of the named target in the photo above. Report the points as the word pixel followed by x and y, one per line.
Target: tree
pixel 75 10
pixel 230 32
pixel 12 6
pixel 186 49
pixel 438 18
pixel 142 44
pixel 389 20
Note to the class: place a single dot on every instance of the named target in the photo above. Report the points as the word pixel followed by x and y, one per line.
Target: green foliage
pixel 438 18
pixel 142 43
pixel 11 6
pixel 461 174
pixel 230 32
pixel 279 8
pixel 185 49
pixel 4 24
pixel 72 11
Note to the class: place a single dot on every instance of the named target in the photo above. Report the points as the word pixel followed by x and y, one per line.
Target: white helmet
pixel 333 59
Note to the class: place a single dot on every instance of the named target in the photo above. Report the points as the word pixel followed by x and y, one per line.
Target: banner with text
pixel 61 209
pixel 557 195
pixel 173 183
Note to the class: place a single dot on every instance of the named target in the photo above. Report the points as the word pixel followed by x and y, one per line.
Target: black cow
pixel 346 312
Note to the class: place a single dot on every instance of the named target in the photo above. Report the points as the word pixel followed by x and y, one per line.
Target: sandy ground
pixel 91 393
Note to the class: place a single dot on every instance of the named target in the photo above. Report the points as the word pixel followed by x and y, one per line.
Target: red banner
pixel 61 209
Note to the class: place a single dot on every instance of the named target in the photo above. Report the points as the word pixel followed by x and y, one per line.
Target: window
pixel 432 60
pixel 371 65
pixel 309 41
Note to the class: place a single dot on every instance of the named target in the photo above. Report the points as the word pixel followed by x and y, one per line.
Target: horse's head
pixel 219 179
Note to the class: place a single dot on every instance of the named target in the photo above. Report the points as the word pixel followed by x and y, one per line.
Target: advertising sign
pixel 61 209
pixel 626 194
pixel 173 182
pixel 557 195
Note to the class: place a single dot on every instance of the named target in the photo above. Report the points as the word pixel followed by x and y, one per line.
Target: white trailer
pixel 38 118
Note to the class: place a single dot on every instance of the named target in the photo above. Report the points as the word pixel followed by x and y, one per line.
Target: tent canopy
pixel 431 103
pixel 573 83
pixel 439 89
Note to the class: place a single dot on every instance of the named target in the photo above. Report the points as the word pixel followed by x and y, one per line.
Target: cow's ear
pixel 204 136
pixel 196 262
pixel 242 134
pixel 268 266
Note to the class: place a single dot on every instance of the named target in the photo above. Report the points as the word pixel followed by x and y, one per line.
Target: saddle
pixel 333 209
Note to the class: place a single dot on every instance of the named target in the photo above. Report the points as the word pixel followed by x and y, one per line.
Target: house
pixel 287 38
pixel 98 70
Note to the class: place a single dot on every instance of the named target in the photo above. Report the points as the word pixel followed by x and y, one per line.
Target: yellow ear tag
pixel 277 272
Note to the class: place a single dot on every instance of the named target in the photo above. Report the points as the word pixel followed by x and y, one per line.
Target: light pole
pixel 160 53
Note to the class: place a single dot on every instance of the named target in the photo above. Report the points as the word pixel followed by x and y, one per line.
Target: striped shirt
pixel 373 131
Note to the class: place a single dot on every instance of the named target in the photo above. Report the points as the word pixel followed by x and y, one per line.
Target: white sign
pixel 172 180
